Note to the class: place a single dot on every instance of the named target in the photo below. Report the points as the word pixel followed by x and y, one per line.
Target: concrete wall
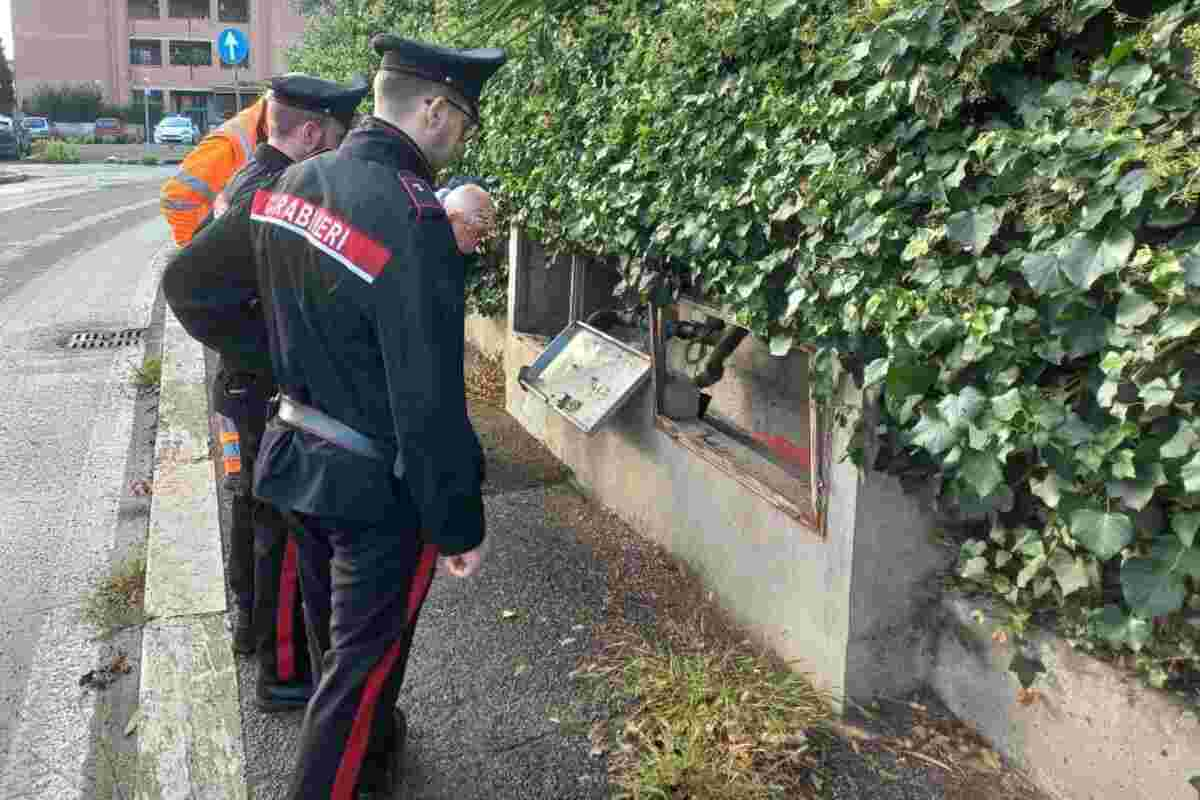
pixel 1096 733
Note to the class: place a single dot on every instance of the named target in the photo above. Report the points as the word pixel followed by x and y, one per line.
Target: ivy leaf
pixel 932 333
pixel 1131 76
pixel 1030 570
pixel 1007 405
pixel 1157 393
pixel 963 407
pixel 779 7
pixel 1191 474
pixel 998 6
pixel 1026 669
pixel 781 344
pixel 1180 322
pixel 1183 442
pixel 1104 534
pixel 1116 627
pixel 1185 526
pixel 982 470
pixel 1096 210
pixel 1089 258
pixel 1137 493
pixel 1042 273
pixel 934 434
pixel 1047 489
pixel 1134 310
pixel 818 156
pixel 1069 571
pixel 876 371
pixel 1151 588
pixel 974 229
pixel 908 377
pixel 1132 187
pixel 975 569
pixel 1191 268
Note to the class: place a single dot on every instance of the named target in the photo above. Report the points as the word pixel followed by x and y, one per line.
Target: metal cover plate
pixel 586 375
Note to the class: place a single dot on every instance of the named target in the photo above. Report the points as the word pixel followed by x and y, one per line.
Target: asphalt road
pixel 77 247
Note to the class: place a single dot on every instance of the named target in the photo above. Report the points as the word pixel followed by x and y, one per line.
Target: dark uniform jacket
pixel 211 284
pixel 363 291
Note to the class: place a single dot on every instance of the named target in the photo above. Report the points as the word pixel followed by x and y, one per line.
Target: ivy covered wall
pixel 985 209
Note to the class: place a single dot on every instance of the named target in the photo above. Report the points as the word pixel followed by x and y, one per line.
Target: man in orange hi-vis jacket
pixel 188 196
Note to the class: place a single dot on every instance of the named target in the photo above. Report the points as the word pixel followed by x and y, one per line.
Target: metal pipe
pixel 714 367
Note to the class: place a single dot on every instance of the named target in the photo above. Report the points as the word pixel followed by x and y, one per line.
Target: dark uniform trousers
pixel 364 586
pixel 263 557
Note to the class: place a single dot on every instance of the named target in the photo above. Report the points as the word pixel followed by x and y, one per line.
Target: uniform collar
pixel 376 140
pixel 271 157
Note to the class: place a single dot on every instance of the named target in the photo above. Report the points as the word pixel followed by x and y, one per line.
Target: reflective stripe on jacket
pixel 188 195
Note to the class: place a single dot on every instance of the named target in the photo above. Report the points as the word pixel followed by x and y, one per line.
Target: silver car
pixel 176 130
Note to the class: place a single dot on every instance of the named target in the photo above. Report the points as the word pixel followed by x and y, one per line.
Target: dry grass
pixel 117 602
pixel 485 378
pixel 719 725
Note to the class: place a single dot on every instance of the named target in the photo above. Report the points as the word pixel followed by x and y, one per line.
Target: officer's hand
pixel 463 565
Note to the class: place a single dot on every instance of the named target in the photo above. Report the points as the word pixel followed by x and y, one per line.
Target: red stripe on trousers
pixel 285 615
pixel 360 731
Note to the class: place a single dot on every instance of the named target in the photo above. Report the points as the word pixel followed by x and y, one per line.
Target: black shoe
pixel 243 633
pixel 385 784
pixel 272 697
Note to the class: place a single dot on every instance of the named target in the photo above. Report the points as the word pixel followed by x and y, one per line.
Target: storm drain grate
pixel 91 340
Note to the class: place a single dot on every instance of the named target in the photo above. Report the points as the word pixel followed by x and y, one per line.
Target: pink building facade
pixel 168 47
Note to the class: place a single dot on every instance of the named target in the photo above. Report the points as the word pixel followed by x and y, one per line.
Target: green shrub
pixel 61 153
pixel 984 210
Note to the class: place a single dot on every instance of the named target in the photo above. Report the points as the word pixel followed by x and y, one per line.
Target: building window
pixel 188 9
pixel 144 9
pixel 233 10
pixel 145 52
pixel 191 54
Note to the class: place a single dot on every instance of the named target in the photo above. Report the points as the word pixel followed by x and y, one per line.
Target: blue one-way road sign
pixel 233 46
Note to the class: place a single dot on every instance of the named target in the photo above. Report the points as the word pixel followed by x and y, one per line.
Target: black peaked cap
pixel 324 97
pixel 465 71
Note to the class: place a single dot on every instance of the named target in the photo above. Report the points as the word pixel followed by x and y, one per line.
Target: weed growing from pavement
pixel 150 161
pixel 149 375
pixel 117 602
pixel 702 723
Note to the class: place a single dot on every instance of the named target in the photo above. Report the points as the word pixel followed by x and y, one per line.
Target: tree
pixel 313 8
pixel 8 90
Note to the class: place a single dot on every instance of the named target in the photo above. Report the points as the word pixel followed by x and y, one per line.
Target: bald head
pixel 472 215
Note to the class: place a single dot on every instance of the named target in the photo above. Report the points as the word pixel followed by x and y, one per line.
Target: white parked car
pixel 176 129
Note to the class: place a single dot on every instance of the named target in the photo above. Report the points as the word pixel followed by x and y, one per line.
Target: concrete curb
pixel 190 729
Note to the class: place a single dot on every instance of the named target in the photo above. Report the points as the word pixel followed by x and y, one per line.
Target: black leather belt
pixel 323 426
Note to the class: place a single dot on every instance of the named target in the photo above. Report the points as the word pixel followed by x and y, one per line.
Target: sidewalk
pixel 509 691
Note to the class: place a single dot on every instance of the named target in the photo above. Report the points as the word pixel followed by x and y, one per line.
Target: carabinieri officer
pixel 306 115
pixel 371 452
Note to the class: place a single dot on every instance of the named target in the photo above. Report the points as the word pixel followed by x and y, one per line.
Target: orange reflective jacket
pixel 186 198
